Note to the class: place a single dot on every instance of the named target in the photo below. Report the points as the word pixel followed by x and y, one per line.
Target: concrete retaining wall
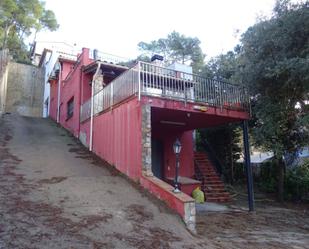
pixel 25 87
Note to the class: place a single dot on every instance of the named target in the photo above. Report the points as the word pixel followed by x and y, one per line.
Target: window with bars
pixel 70 108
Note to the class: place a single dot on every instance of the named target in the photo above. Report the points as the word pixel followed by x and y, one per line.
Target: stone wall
pixel 181 203
pixel 146 140
pixel 25 90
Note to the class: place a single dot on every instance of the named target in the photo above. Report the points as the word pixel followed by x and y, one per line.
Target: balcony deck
pixel 153 81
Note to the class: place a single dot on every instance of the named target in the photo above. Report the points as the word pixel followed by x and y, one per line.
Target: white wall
pixel 49 63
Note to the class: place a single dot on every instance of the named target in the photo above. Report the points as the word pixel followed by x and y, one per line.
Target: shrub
pixel 297 183
pixel 267 181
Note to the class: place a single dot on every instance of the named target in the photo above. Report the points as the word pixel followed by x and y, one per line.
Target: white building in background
pixel 45 55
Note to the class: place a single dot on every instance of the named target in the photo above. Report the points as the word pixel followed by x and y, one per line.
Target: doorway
pixel 157 158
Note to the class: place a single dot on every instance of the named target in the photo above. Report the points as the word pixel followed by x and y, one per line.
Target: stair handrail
pixel 198 171
pixel 217 162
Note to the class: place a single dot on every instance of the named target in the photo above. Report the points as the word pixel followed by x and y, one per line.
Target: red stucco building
pixel 137 113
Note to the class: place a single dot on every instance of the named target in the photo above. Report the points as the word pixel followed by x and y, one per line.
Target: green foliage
pixel 274 62
pixel 297 183
pixel 224 140
pixel 19 19
pixel 224 67
pixel 275 56
pixel 296 180
pixel 132 63
pixel 267 180
pixel 176 48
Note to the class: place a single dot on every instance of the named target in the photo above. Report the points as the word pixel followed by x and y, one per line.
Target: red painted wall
pixel 168 137
pixel 186 166
pixel 84 131
pixel 117 133
pixel 86 87
pixel 71 89
pixel 53 99
pixel 164 192
pixel 118 138
pixel 71 78
pixel 66 67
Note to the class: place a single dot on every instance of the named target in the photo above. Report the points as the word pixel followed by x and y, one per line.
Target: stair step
pixel 210 175
pixel 217 194
pixel 216 189
pixel 213 182
pixel 212 185
pixel 208 187
pixel 211 199
pixel 210 170
pixel 207 169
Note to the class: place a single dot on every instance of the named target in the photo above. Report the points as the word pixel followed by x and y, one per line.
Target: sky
pixel 117 26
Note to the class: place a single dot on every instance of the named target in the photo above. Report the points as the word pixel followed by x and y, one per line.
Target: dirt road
pixel 54 194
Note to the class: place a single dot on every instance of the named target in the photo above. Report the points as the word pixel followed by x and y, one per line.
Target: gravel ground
pixel 55 194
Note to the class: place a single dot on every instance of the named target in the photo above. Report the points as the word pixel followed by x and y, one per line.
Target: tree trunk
pixel 6 35
pixel 281 171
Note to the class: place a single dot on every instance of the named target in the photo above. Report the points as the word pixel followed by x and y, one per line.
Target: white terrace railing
pixel 106 57
pixel 152 80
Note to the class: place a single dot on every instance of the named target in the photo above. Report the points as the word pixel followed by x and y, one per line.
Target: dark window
pixel 70 107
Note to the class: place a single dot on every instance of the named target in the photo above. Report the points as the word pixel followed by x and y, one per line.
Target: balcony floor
pixel 179 115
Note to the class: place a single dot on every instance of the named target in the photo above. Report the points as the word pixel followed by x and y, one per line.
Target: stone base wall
pixel 146 140
pixel 181 203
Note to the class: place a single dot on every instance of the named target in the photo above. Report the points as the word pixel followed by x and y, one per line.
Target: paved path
pixel 54 194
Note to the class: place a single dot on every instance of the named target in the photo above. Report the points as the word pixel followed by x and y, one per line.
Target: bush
pixel 297 183
pixel 240 173
pixel 267 180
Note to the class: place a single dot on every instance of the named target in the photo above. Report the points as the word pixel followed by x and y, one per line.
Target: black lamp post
pixel 177 149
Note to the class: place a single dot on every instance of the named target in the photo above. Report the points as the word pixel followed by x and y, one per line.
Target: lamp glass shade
pixel 177 146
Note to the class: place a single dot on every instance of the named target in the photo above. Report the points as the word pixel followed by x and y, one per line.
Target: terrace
pixel 146 79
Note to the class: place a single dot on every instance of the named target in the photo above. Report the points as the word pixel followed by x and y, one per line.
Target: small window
pixel 70 107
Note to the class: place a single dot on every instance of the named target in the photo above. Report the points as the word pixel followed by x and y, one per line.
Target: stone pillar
pixel 190 216
pixel 146 140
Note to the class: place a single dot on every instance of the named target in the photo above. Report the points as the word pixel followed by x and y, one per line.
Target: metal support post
pixel 248 166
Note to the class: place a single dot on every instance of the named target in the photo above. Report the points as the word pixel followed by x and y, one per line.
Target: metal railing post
pixel 139 81
pixel 112 95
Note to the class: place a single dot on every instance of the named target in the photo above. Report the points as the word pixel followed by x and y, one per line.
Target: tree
pixel 176 48
pixel 46 21
pixel 225 67
pixel 19 19
pixel 224 140
pixel 274 58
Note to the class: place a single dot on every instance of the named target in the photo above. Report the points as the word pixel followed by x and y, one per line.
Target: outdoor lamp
pixel 177 146
pixel 177 149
